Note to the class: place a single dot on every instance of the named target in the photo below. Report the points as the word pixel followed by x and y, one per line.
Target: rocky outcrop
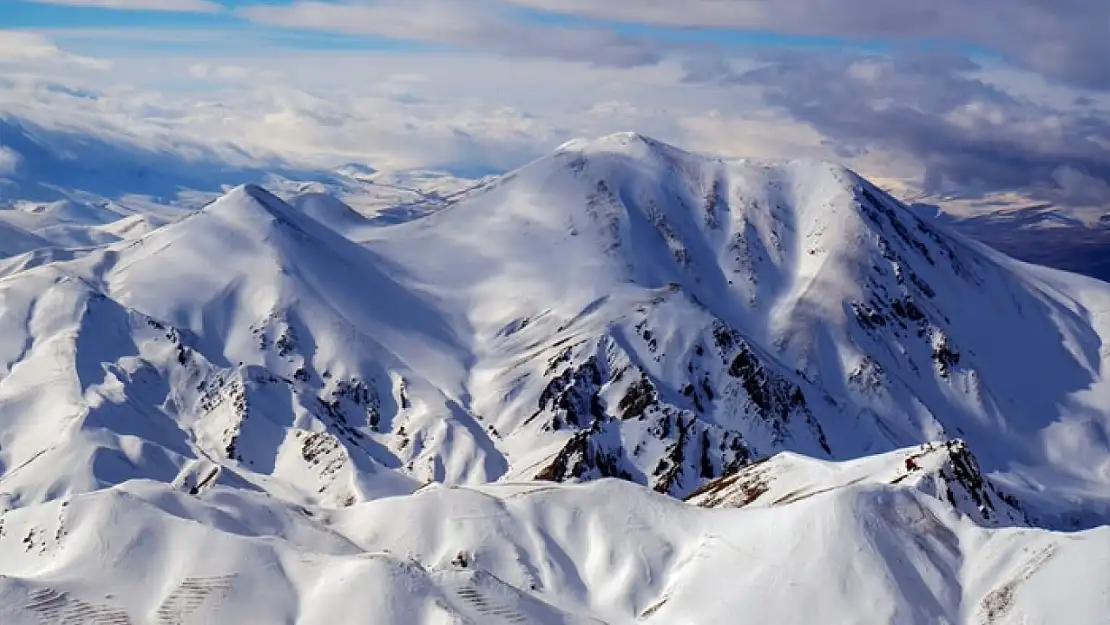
pixel 961 483
pixel 947 471
pixel 622 422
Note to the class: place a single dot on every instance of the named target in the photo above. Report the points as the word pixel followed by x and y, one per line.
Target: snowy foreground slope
pixel 606 551
pixel 819 407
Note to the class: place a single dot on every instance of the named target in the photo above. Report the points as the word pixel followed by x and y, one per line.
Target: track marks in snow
pixel 60 608
pixel 998 602
pixel 190 596
pixel 490 610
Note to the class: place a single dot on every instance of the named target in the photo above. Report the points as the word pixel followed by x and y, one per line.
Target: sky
pixel 984 99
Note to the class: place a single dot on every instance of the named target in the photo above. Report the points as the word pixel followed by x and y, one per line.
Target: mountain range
pixel 623 383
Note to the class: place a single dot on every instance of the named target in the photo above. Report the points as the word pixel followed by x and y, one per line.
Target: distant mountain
pixel 273 411
pixel 69 185
pixel 1040 234
pixel 15 240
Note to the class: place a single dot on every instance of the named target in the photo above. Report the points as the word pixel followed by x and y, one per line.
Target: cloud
pixel 1066 39
pixel 421 110
pixel 183 6
pixel 1081 187
pixel 219 72
pixel 17 47
pixel 9 160
pixel 937 120
pixel 970 136
pixel 476 24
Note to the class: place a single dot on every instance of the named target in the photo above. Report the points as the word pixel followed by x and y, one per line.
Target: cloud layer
pixel 956 99
pixel 970 136
pixel 1067 39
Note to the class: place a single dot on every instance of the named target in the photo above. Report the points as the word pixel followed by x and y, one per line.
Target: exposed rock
pixel 637 398
pixel 583 458
pixel 572 396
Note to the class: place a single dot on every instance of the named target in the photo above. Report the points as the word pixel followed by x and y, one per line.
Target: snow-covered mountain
pixel 290 412
pixel 1042 234
pixel 670 317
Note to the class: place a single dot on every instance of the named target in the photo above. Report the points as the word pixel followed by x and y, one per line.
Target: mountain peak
pixel 254 213
pixel 629 143
pixel 255 191
pixel 639 145
pixel 251 198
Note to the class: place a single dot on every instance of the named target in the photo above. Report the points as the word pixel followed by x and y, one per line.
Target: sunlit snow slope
pixel 819 407
pixel 669 316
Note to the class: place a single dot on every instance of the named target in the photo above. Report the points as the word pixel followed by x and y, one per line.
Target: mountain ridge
pixel 422 425
pixel 642 350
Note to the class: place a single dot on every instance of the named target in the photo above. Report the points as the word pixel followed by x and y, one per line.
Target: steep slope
pixel 671 316
pixel 329 211
pixel 246 342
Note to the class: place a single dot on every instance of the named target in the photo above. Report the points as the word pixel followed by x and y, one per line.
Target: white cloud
pixel 1081 187
pixel 18 47
pixel 232 72
pixel 251 98
pixel 419 110
pixel 756 133
pixel 184 6
pixel 220 72
pixel 1064 39
pixel 9 160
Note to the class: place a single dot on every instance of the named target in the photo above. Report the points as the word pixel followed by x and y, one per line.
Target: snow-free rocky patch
pixel 621 384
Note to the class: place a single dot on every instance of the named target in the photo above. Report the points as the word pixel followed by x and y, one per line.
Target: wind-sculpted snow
pixel 286 412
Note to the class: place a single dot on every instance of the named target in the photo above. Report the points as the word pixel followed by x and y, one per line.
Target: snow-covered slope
pixel 272 407
pixel 15 240
pixel 606 552
pixel 669 316
pixel 248 334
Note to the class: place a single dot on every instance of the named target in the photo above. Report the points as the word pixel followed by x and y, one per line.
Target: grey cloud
pixel 970 136
pixel 478 24
pixel 1066 39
